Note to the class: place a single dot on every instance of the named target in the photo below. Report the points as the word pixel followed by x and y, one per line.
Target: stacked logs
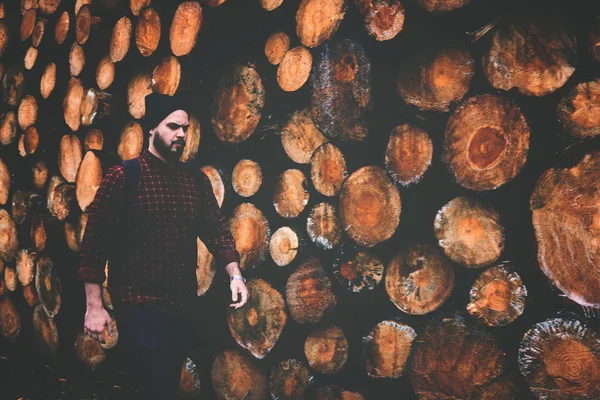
pixel 320 218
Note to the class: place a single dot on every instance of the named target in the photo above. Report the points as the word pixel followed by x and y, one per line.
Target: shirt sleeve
pixel 213 228
pixel 100 225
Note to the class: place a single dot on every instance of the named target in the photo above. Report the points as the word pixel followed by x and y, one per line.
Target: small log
pixel 238 104
pixel 94 140
pixel 40 174
pixel 189 382
pixel 186 24
pixel 71 236
pixel 357 270
pixel 72 103
pixel 328 169
pixel 442 5
pixel 10 278
pixel 76 59
pixel 28 112
pixel 436 78
pixel 21 203
pixel 284 246
pixel 45 332
pixel 289 380
pixel 81 3
pixel 9 243
pixel 236 376
pixel 69 157
pixel 300 137
pixel 14 85
pixel 270 5
pixel 341 91
pixel 48 285
pixel 386 349
pixel 498 296
pixel 61 29
pixel 49 7
pixel 63 197
pixel 246 178
pixel 55 181
pixel 88 180
pixel 110 341
pixel 4 36
pixel 419 280
pixel 192 143
pixel 37 232
pixel 369 206
pixel 25 266
pixel 84 20
pixel 384 19
pixel 579 110
pixel 216 182
pixel 560 359
pixel 2 12
pixel 486 142
pixel 8 134
pixel 408 154
pixel 294 69
pixel 138 5
pixel 290 193
pixel 48 80
pixel 257 326
pixel 166 76
pixel 120 40
pixel 30 295
pixel 566 221
pixel 318 20
pixel 324 227
pixel 334 392
pixel 88 351
pixel 206 268
pixel 38 32
pixel 452 359
pixel 28 24
pixel 147 31
pixel 326 349
pixel 131 142
pixel 250 229
pixel 93 104
pixel 277 45
pixel 105 73
pixel 308 293
pixel 537 56
pixel 469 232
pixel 594 41
pixel 5 183
pixel 30 58
pixel 139 87
pixel 10 321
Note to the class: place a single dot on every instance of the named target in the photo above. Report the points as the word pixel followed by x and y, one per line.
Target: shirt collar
pixel 156 162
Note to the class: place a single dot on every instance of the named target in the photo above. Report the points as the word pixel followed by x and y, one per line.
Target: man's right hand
pixel 96 319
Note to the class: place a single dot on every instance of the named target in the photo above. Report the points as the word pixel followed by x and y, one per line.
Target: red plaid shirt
pixel 153 250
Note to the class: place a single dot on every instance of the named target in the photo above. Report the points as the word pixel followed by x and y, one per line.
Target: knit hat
pixel 158 107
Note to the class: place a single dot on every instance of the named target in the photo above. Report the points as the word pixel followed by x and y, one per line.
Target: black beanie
pixel 158 107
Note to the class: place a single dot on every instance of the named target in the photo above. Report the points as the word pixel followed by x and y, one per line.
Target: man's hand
pixel 238 286
pixel 96 319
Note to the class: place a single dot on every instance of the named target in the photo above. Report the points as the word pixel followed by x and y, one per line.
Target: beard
pixel 169 150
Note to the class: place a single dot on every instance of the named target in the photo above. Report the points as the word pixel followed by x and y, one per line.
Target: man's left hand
pixel 238 286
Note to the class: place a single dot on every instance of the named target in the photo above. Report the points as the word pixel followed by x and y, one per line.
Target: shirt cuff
pixel 227 257
pixel 92 275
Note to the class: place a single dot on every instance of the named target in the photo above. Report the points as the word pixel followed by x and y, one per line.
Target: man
pixel 151 246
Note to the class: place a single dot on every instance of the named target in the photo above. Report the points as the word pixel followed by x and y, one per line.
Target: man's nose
pixel 180 133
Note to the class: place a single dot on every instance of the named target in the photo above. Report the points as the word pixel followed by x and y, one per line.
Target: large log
pixel 38 32
pixel 39 171
pixel 386 349
pixel 105 72
pixel 326 349
pixel 61 29
pixel 205 268
pixel 29 141
pixel 131 142
pixel 324 227
pixel 72 103
pixel 250 230
pixel 469 232
pixel 579 110
pixel 318 20
pixel 69 157
pixel 357 270
pixel 147 31
pixel 284 246
pixel 341 91
pixel 120 39
pixel 9 242
pixel 216 182
pixel 419 280
pixel 276 46
pixel 300 137
pixel 27 24
pixel 45 332
pixel 48 285
pixel 192 143
pixel 289 380
pixel 258 325
pixel 4 36
pixel 328 169
pixel 49 7
pixel 535 55
pixel 566 219
pixel 189 382
pixel 308 293
pixel 8 134
pixel 137 6
pixel 408 154
pixel 384 19
pixel 369 206
pixel 238 104
pixel 498 296
pixel 236 376
pixel 30 295
pixel 14 85
pixel 139 87
pixel 294 69
pixel 166 76
pixel 486 142
pixel 186 24
pixel 48 80
pixel 10 321
pixel 246 178
pixel 37 233
pixel 10 278
pixel 94 140
pixel 88 351
pixel 30 58
pixel 25 266
pixel 290 193
pixel 5 182
pixel 560 359
pixel 88 180
pixel 76 59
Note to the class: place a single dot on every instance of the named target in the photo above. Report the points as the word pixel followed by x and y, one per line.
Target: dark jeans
pixel 154 346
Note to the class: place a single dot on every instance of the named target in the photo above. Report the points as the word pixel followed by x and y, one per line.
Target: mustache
pixel 182 142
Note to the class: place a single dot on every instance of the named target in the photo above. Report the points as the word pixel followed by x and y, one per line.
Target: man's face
pixel 170 135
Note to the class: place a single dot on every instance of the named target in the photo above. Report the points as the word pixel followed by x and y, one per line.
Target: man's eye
pixel 185 128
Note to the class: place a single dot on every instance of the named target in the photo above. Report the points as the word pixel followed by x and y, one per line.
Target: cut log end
pixel 284 246
pixel 308 293
pixel 294 69
pixel 409 153
pixel 579 110
pixel 324 227
pixel 326 349
pixel 386 349
pixel 300 137
pixel 318 20
pixel 250 230
pixel 328 169
pixel 290 194
pixel 277 45
pixel 247 178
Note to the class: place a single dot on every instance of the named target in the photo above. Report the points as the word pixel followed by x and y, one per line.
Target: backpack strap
pixel 132 171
